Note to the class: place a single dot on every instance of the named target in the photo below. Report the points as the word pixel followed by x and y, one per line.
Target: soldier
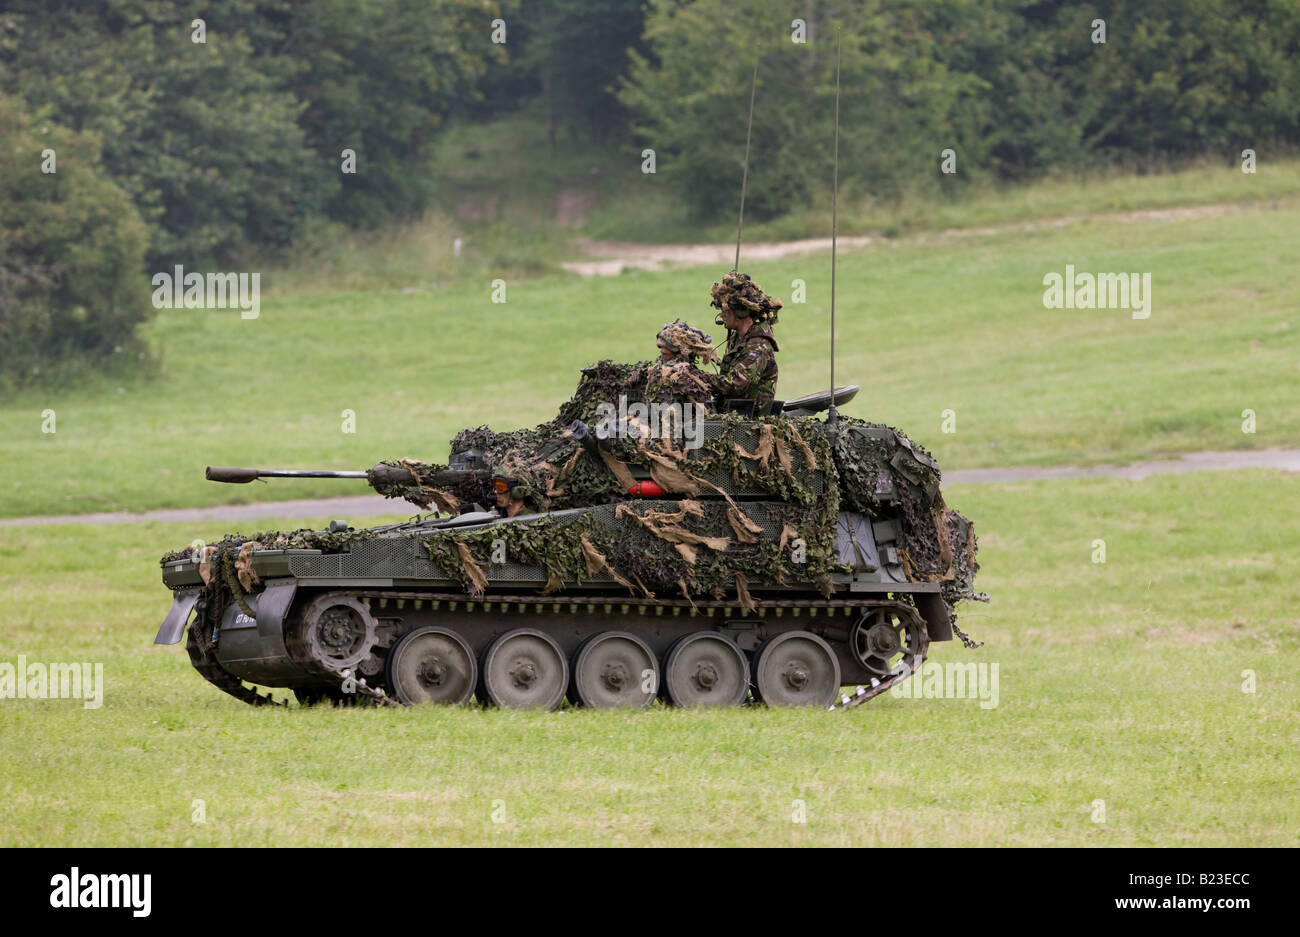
pixel 510 494
pixel 748 370
pixel 674 378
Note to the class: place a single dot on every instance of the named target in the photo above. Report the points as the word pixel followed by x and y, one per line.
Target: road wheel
pixel 796 668
pixel 524 669
pixel 706 669
pixel 432 665
pixel 614 670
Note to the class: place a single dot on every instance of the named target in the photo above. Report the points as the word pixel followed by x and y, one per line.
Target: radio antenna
pixel 833 417
pixel 744 179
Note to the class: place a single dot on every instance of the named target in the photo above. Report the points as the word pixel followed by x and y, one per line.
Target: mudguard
pixel 935 612
pixel 173 626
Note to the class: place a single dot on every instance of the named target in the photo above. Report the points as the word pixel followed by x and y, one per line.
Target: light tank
pixel 618 554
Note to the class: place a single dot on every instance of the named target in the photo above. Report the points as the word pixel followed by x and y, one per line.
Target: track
pixel 530 610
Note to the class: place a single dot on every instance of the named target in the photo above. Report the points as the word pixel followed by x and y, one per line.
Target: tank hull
pixel 782 555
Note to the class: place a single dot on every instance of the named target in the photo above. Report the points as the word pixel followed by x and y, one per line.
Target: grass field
pixel 924 325
pixel 1119 682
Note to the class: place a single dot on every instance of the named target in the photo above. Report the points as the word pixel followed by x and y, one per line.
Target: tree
pixel 691 100
pixel 71 251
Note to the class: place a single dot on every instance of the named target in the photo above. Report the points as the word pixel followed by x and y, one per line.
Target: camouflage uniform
pixel 748 370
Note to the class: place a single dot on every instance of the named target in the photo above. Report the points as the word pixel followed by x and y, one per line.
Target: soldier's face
pixel 665 354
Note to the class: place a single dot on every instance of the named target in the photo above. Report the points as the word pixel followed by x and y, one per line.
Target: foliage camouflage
pixel 741 296
pixel 225 566
pixel 678 382
pixel 327 541
pixel 698 541
pixel 651 565
pixel 936 544
pixel 686 342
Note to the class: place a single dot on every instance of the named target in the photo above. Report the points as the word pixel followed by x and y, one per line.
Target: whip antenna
pixel 833 417
pixel 744 179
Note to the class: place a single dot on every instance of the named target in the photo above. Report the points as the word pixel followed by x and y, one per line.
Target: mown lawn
pixel 1120 682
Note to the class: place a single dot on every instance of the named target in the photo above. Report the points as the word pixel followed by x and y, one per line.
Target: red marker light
pixel 646 489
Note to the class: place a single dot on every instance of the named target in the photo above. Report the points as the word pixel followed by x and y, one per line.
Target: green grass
pixel 923 325
pixel 1119 682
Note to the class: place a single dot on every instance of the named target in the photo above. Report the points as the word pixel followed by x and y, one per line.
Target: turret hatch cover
pixel 816 403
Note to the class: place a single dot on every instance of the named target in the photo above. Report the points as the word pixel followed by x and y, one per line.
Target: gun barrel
pixel 384 474
pixel 241 476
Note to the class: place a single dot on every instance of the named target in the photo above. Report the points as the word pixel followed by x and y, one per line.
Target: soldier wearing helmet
pixel 748 370
pixel 510 494
pixel 675 378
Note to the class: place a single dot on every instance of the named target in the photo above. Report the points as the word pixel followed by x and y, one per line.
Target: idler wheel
pixel 706 669
pixel 432 665
pixel 796 668
pixel 338 631
pixel 614 670
pixel 524 669
pixel 884 642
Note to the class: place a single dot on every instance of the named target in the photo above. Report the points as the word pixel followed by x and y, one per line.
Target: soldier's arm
pixel 743 378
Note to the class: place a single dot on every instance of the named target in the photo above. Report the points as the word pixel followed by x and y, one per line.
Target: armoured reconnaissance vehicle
pixel 699 558
pixel 634 552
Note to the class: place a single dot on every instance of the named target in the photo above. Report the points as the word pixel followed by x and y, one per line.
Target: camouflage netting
pixel 678 382
pixel 697 547
pixel 324 540
pixel 561 474
pixel 664 549
pixel 936 544
pixel 602 382
pixel 699 540
pixel 229 562
pixel 875 469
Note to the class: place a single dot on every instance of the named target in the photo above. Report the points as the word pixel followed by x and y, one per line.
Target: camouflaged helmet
pixel 742 296
pixel 685 341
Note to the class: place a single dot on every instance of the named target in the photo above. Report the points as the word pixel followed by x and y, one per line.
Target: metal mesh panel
pixel 515 572
pixel 381 558
pixel 747 437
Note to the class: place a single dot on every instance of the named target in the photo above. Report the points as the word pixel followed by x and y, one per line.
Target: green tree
pixel 380 78
pixel 1180 77
pixel 71 251
pixel 691 93
pixel 229 145
pixel 201 139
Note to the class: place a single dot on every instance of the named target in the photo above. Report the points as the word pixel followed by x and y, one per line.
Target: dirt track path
pixel 610 258
pixel 374 506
